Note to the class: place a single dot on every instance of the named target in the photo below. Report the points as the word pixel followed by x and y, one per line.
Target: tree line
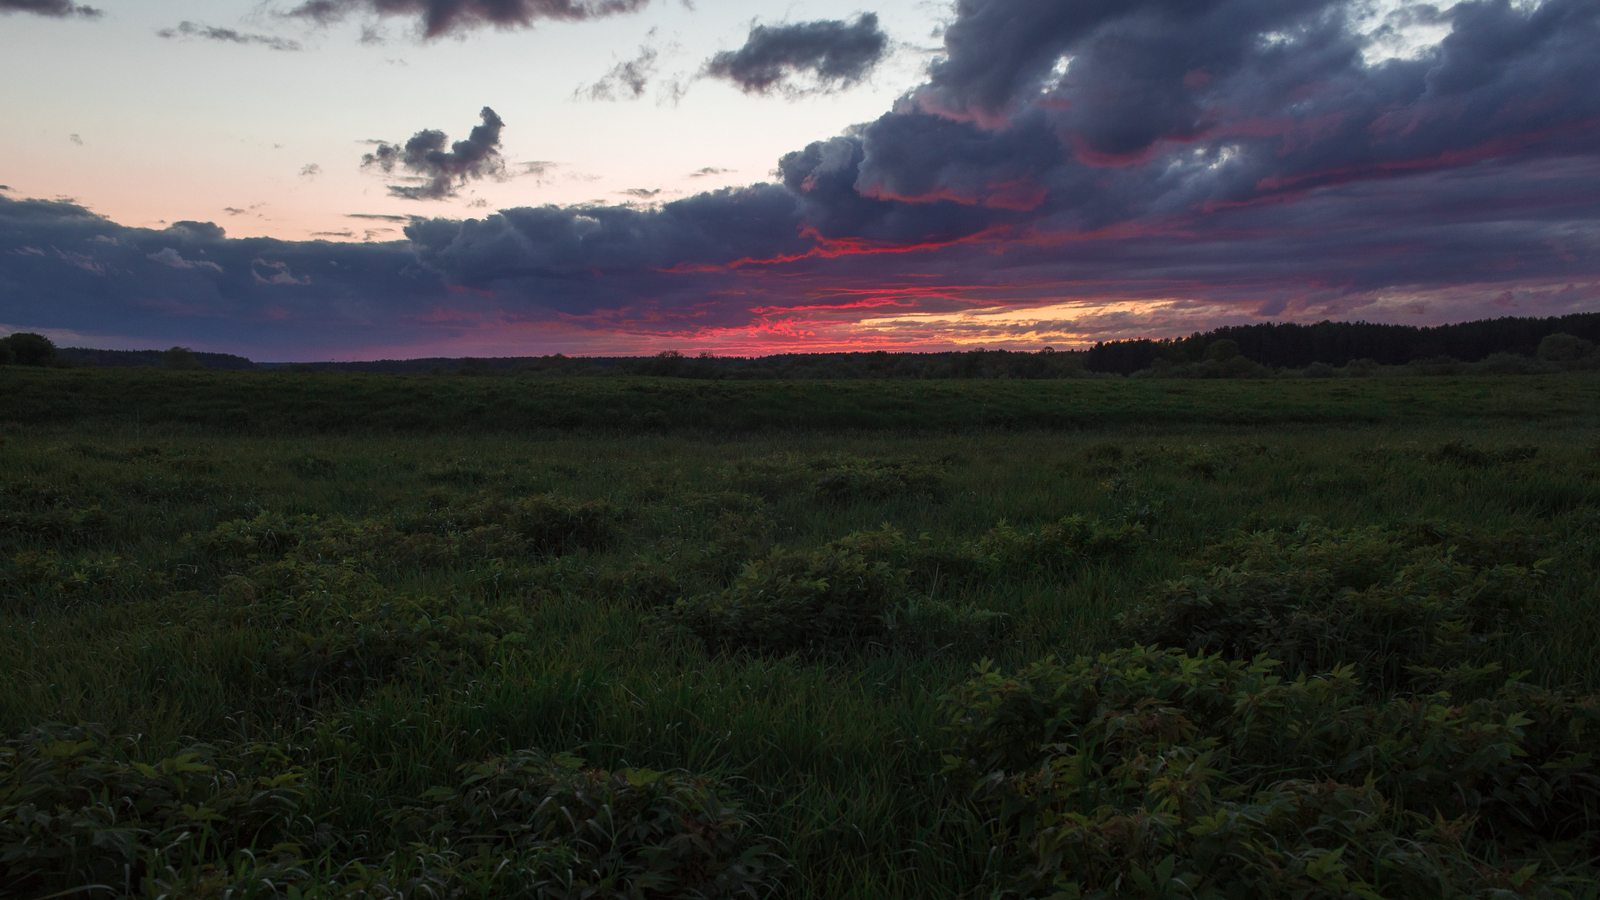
pixel 1293 346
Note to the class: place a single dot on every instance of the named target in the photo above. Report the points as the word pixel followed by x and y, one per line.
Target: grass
pixel 275 403
pixel 116 611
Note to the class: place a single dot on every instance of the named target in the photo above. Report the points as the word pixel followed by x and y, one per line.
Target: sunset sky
pixel 359 179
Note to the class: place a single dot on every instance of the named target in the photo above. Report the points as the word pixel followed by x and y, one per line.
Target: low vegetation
pixel 1163 660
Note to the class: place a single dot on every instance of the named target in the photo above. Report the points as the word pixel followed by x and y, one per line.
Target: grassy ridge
pixel 276 403
pixel 417 623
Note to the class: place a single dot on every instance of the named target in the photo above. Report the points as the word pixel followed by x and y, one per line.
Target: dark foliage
pixel 1393 605
pixel 28 349
pixel 1290 345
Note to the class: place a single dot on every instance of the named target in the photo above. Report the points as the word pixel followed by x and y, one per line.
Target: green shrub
pixel 73 814
pixel 878 586
pixel 1145 772
pixel 1563 347
pixel 795 601
pixel 1005 551
pixel 534 825
pixel 874 480
pixel 647 583
pixel 267 536
pixel 1383 600
pixel 1056 546
pixel 56 524
pixel 551 525
pixel 96 577
pixel 336 628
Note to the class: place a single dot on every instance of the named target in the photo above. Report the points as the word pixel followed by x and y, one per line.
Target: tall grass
pixel 119 618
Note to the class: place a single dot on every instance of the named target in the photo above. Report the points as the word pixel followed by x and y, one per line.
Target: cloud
pixel 310 170
pixel 438 17
pixel 280 273
pixel 627 80
pixel 832 53
pixel 709 171
pixel 170 257
pixel 56 8
pixel 1067 172
pixel 439 172
pixel 76 139
pixel 228 36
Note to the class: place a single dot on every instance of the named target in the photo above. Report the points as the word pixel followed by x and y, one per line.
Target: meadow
pixel 314 635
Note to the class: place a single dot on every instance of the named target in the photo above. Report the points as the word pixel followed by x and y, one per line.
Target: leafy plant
pixel 536 825
pixel 1158 773
pixel 73 814
pixel 797 601
pixel 1387 602
pixel 853 480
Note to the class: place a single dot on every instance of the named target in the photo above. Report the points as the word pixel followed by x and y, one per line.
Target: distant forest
pixel 1286 345
pixel 1271 346
pixel 151 359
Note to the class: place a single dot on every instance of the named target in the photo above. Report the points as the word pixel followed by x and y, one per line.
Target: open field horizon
pixel 284 402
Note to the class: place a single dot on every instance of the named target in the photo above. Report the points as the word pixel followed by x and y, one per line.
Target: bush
pixel 180 359
pixel 1383 601
pixel 29 349
pixel 231 822
pixel 1504 363
pixel 1562 347
pixel 877 586
pixel 798 602
pixel 532 825
pixel 72 813
pixel 875 480
pixel 549 524
pixel 1156 773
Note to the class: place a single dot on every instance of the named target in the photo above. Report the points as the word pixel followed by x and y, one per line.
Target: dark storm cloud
pixel 836 53
pixel 228 36
pixel 1096 113
pixel 1231 159
pixel 56 8
pixel 553 242
pixel 439 172
pixel 439 17
pixel 63 267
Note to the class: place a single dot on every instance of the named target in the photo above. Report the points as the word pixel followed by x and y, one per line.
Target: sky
pixel 360 179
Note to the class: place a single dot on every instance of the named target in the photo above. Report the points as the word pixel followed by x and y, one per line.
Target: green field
pixel 278 403
pixel 338 635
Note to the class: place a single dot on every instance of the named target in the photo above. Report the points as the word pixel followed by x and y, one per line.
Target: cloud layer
pixel 1068 172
